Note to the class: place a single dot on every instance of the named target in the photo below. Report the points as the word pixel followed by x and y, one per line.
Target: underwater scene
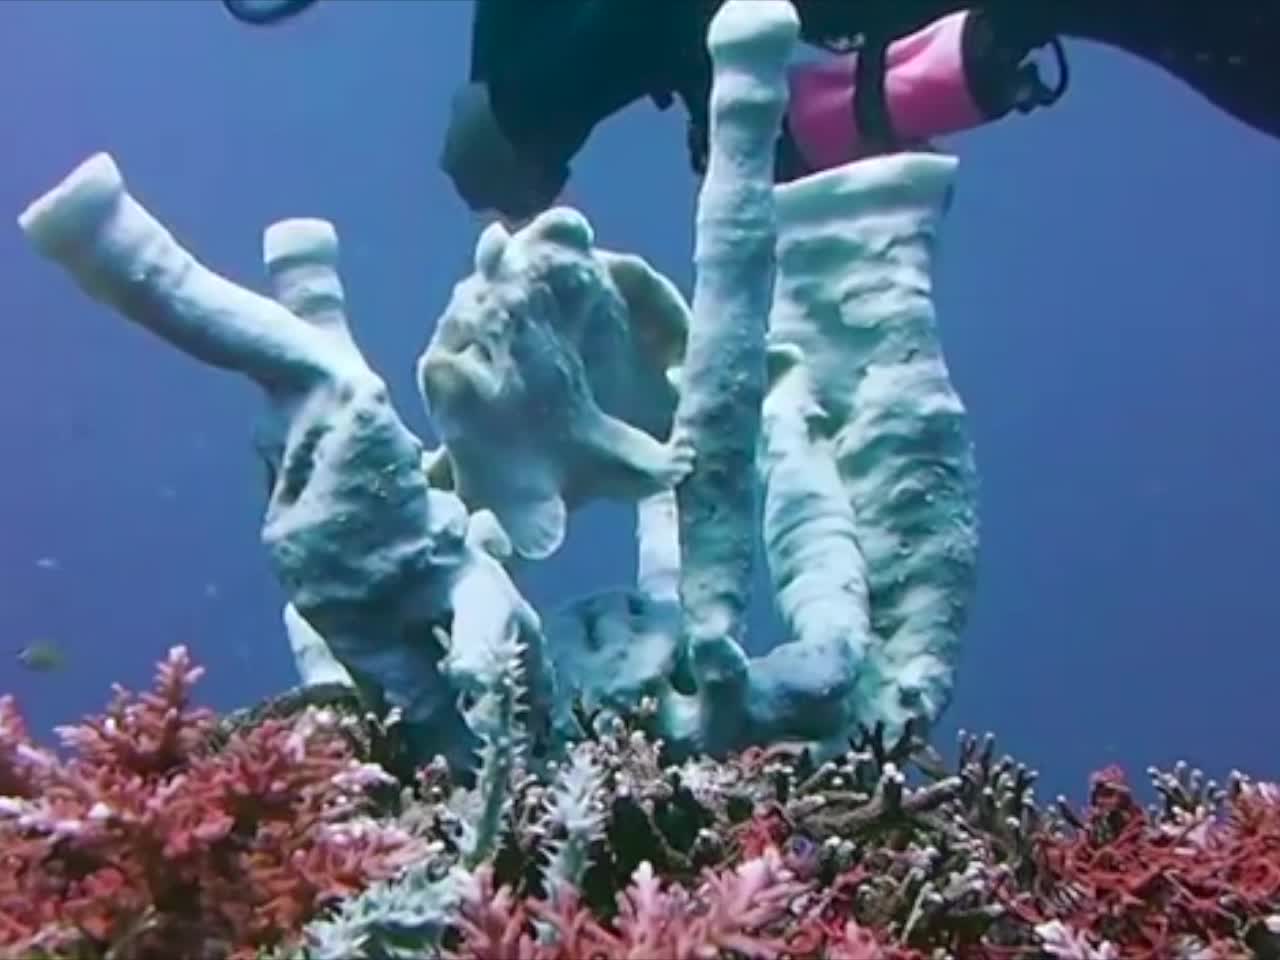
pixel 577 479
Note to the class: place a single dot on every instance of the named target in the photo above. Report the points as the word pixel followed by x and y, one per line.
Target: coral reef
pixel 146 842
pixel 454 779
pixel 167 834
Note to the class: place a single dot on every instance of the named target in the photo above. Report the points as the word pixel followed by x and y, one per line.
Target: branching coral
pixel 160 836
pixel 861 864
pixel 401 920
pixel 1193 878
pixel 742 911
pixel 145 842
pixel 576 814
pixel 493 719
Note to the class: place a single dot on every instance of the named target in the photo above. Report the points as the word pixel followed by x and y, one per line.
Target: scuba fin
pixel 264 12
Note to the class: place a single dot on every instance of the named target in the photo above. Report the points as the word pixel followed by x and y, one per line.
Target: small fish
pixel 48 563
pixel 43 656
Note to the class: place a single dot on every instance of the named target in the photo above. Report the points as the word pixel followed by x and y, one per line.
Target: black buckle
pixel 1034 92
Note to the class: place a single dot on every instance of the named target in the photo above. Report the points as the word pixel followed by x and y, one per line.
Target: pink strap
pixel 925 90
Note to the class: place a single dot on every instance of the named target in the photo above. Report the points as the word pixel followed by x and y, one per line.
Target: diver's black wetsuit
pixel 1227 51
pixel 553 74
pixel 550 70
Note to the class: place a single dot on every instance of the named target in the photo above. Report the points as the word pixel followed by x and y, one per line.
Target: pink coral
pixel 1124 877
pixel 741 911
pixel 150 843
pixel 755 909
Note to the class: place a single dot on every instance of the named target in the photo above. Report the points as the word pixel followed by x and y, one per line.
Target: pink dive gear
pixel 925 90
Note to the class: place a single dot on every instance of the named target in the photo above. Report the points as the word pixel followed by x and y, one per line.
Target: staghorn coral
pixel 166 833
pixel 147 842
pixel 404 919
pixel 493 719
pixel 871 864
pixel 1192 878
pixel 575 812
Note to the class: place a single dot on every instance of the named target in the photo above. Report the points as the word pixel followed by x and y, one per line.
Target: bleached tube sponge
pixel 546 379
pixel 804 689
pixel 722 381
pixel 840 466
pixel 862 436
pixel 810 532
pixel 312 658
pixel 854 300
pixel 370 557
pixel 613 648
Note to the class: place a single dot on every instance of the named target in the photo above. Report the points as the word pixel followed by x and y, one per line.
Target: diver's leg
pixel 124 257
pixel 563 66
pixel 1250 93
pixel 543 74
pixel 1229 53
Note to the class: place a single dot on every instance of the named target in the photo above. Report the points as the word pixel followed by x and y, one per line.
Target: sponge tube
pixel 723 377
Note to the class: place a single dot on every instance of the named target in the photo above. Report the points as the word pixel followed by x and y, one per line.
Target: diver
pixel 897 74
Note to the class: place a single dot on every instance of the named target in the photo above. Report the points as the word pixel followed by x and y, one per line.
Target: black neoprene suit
pixel 556 68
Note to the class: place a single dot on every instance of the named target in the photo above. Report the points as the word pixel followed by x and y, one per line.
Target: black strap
pixel 870 104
